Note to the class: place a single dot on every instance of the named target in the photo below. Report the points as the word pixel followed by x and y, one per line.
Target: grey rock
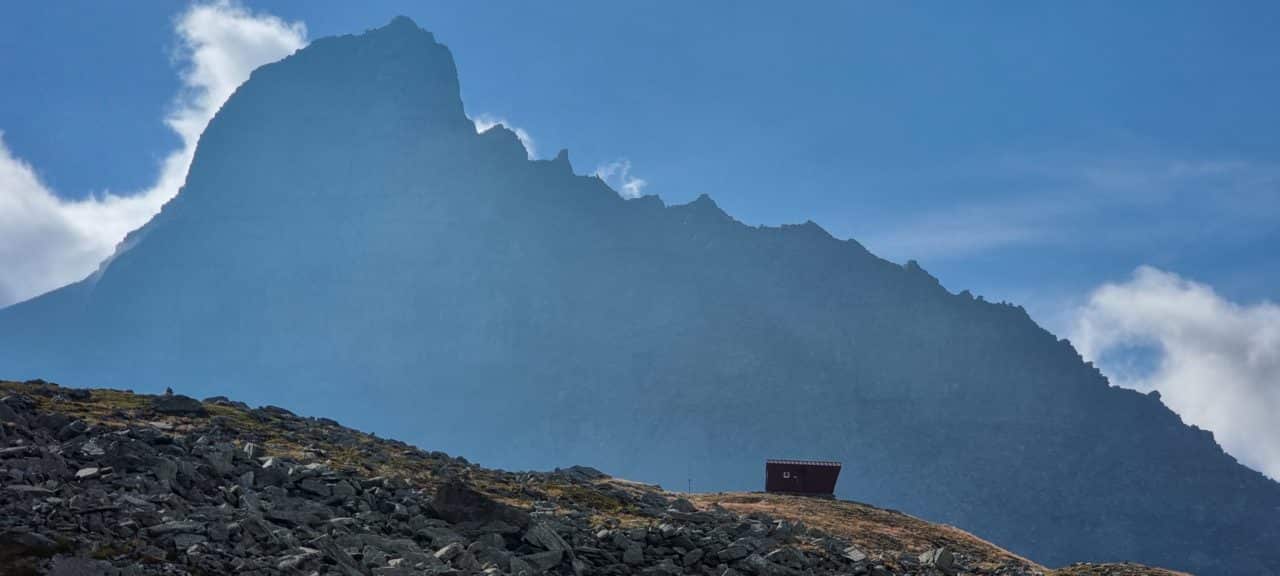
pixel 448 553
pixel 544 561
pixel 27 490
pixel 521 567
pixel 346 564
pixel 456 502
pixel 18 451
pixel 184 540
pixel 633 555
pixel 298 559
pixel 166 471
pixel 492 540
pixel 373 557
pixel 733 553
pixel 440 536
pixel 691 517
pixel 758 565
pixel 940 558
pixel 178 405
pixel 664 568
pixel 544 537
pixel 176 527
pixel 466 562
pixel 315 486
pixel 76 566
pixel 396 571
pixel 7 413
pixel 91 448
pixel 26 543
pixel 219 531
pixel 789 557
pixel 683 505
pixel 854 554
pixel 220 458
pixel 582 473
pixel 342 489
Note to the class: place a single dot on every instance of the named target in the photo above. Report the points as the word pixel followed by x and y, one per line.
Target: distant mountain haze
pixel 346 244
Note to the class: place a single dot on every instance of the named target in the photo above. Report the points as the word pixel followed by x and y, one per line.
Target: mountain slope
pixel 346 244
pixel 108 482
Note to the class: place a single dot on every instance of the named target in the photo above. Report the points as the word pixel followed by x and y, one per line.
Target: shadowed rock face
pixel 346 244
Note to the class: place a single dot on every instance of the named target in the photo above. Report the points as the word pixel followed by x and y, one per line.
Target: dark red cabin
pixel 809 477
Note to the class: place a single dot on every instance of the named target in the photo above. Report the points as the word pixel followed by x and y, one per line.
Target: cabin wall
pixel 801 478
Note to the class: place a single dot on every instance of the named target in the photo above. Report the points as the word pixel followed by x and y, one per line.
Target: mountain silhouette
pixel 346 244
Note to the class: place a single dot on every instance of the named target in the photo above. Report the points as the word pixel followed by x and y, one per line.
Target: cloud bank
pixel 1218 362
pixel 47 241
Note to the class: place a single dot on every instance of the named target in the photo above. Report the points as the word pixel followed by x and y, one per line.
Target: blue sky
pixel 1114 167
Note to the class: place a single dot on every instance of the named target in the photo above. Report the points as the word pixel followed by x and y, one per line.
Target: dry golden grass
pixel 885 534
pixel 1114 570
pixel 882 534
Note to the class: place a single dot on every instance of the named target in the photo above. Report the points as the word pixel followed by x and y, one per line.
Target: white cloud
pixel 1219 362
pixel 618 176
pixel 47 241
pixel 484 122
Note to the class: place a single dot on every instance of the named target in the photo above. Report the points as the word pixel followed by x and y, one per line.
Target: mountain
pixel 113 483
pixel 346 244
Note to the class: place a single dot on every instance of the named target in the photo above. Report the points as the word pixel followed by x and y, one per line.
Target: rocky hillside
pixel 109 482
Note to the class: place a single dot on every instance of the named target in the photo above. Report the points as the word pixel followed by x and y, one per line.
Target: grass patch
pixel 583 497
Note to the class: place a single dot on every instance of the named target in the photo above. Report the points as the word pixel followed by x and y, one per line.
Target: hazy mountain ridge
pixel 345 236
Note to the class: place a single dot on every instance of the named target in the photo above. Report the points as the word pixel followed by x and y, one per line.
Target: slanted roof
pixel 805 462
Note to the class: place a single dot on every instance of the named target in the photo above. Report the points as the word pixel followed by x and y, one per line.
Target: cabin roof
pixel 805 462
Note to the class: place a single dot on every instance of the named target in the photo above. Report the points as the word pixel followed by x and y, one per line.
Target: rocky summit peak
pixel 402 23
pixel 394 89
pixel 404 27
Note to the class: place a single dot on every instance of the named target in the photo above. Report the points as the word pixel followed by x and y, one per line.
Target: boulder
pixel 544 537
pixel 22 543
pixel 633 555
pixel 544 561
pixel 733 553
pixel 758 565
pixel 178 405
pixel 457 502
pixel 448 553
pixel 789 557
pixel 582 473
pixel 683 505
pixel 854 554
pixel 940 558
pixel 521 567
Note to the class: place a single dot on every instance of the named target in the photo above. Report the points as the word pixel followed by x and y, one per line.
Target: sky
pixel 1112 167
